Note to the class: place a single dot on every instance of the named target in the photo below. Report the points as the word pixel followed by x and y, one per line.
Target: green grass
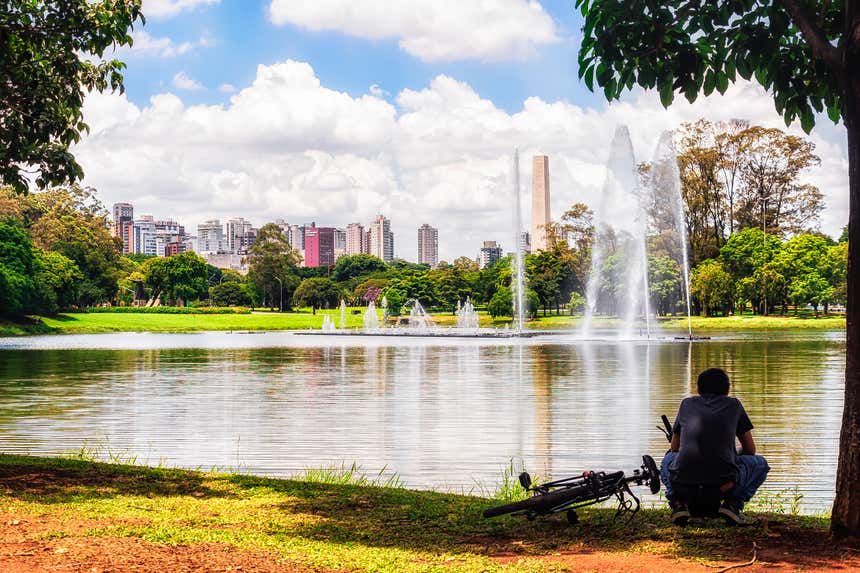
pixel 88 323
pixel 336 520
pixel 105 322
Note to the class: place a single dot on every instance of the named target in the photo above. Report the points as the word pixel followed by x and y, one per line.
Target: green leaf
pixel 807 120
pixel 833 111
pixel 667 95
pixel 722 82
pixel 710 83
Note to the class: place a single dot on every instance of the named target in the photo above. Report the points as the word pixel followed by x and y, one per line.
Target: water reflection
pixel 440 413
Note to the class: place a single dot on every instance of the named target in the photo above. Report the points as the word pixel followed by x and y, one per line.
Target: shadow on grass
pixel 429 521
pixel 62 480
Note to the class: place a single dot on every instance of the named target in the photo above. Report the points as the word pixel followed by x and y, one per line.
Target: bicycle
pixel 572 493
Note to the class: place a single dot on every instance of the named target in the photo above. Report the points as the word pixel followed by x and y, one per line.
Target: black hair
pixel 713 381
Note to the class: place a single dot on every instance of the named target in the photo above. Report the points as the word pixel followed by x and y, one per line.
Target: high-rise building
pixel 319 246
pixel 123 224
pixel 210 237
pixel 123 212
pixel 143 236
pixel 382 239
pixel 428 245
pixel 365 242
pixel 240 235
pixel 540 203
pixel 355 239
pixel 490 253
pixel 296 237
pixel 525 242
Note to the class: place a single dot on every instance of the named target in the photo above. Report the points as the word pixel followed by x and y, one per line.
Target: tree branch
pixel 821 47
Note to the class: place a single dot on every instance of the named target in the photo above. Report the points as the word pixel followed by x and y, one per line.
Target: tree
pixel 317 293
pixel 272 266
pixel 576 303
pixel 353 266
pixel 502 303
pixel 747 251
pixel 771 197
pixel 803 262
pixel 805 53
pixel 229 294
pixel 178 279
pixel 73 222
pixel 52 56
pixel 466 264
pixel 664 283
pixel 56 282
pixel 543 272
pixel 711 286
pixel 16 268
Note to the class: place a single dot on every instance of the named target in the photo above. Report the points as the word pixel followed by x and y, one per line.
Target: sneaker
pixel 731 512
pixel 680 513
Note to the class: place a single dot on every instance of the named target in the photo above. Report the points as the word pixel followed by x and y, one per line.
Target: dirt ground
pixel 26 546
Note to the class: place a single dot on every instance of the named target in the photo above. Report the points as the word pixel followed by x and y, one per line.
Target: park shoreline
pixel 60 512
pixel 107 322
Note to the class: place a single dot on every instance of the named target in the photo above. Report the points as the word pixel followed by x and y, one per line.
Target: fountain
pixel 342 314
pixel 619 264
pixel 328 324
pixel 665 181
pixel 518 287
pixel 371 319
pixel 418 317
pixel 467 316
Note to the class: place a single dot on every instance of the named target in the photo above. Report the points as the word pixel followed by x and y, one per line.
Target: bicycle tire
pixel 539 503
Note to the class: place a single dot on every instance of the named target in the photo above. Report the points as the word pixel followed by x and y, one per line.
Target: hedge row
pixel 168 310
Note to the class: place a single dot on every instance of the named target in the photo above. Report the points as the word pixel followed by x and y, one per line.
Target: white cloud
pixel 182 82
pixel 227 88
pixel 158 47
pixel 288 147
pixel 170 8
pixel 377 91
pixel 442 30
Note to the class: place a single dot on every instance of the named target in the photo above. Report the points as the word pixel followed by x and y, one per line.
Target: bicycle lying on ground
pixel 590 488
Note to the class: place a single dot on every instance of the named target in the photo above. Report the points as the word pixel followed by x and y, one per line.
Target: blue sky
pixel 244 36
pixel 264 109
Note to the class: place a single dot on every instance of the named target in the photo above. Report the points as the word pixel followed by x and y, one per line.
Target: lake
pixel 447 413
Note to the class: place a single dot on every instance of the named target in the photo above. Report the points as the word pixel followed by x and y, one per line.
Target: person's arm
pixel 675 445
pixel 747 443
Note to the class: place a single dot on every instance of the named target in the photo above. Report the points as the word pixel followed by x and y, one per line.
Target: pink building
pixel 319 246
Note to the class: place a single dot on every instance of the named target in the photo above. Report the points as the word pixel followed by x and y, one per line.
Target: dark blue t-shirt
pixel 708 425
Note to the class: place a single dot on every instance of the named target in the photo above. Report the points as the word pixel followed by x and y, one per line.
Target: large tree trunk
pixel 846 506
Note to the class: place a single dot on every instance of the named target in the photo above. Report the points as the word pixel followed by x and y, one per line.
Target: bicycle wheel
pixel 540 503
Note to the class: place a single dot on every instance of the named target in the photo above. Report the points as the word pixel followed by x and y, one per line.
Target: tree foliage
pixel 52 56
pixel 317 293
pixel 178 279
pixel 272 266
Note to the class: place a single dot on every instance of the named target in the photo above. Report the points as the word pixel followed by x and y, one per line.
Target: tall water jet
pixel 618 281
pixel 371 319
pixel 668 208
pixel 518 282
pixel 342 314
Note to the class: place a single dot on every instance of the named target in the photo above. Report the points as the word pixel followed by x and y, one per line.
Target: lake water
pixel 441 412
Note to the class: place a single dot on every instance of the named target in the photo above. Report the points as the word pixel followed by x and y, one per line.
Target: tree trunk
pixel 845 519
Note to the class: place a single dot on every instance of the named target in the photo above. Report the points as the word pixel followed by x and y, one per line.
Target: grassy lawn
pixel 63 512
pixel 103 322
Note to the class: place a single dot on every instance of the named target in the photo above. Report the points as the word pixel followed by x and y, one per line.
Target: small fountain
pixel 371 319
pixel 328 324
pixel 467 316
pixel 342 314
pixel 418 317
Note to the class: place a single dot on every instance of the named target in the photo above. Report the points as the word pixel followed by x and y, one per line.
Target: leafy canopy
pixel 52 56
pixel 690 46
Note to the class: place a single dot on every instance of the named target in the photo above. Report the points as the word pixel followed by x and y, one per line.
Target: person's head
pixel 713 381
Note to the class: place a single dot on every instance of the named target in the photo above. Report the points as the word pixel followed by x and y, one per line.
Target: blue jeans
pixel 752 471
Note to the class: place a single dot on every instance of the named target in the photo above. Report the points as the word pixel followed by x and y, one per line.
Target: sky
pixel 335 110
